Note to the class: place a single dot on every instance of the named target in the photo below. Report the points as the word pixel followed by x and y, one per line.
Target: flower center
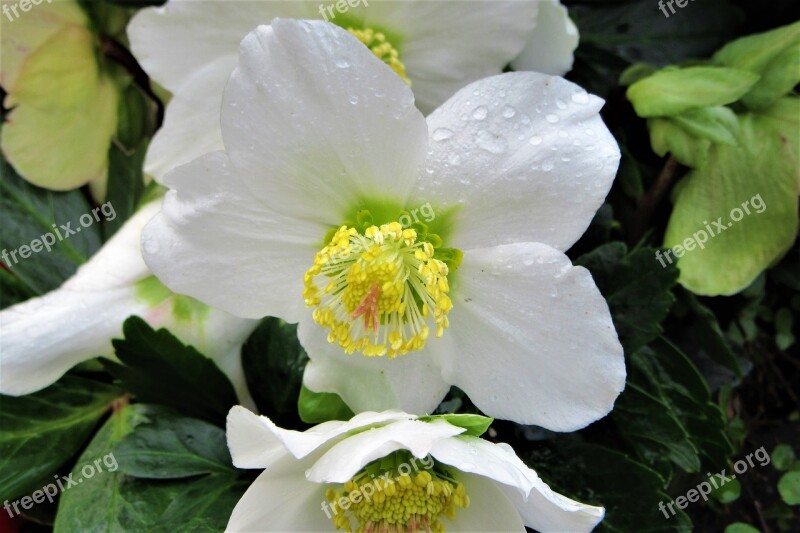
pixel 396 502
pixel 382 48
pixel 378 290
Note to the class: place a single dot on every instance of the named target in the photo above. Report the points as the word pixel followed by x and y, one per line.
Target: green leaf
pixel 170 446
pixel 671 92
pixel 476 425
pixel 716 124
pixel 636 287
pixel 667 136
pixel 782 457
pixel 774 55
pixel 41 431
pixel 125 183
pixel 158 368
pixel 273 363
pixel 28 213
pixel 728 493
pixel 122 503
pixel 666 411
pixel 761 176
pixel 706 331
pixel 600 476
pixel 318 407
pixel 789 488
pixel 740 527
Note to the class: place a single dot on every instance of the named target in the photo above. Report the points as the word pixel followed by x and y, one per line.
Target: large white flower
pixel 365 472
pixel 326 153
pixel 45 336
pixel 190 47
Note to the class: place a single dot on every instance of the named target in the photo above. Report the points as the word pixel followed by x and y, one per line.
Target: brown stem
pixel 653 197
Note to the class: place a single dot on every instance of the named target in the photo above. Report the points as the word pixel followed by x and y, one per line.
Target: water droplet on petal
pixel 342 63
pixel 354 99
pixel 580 98
pixel 480 113
pixel 441 134
pixel 535 140
pixel 561 104
pixel 552 119
pixel 509 112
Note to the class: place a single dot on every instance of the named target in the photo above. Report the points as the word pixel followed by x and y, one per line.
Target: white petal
pixel 545 510
pixel 411 382
pixel 45 336
pixel 531 338
pixel 539 507
pixel 446 45
pixel 344 459
pixel 253 439
pixel 176 40
pixel 281 499
pixel 217 242
pixel 524 157
pixel 489 509
pixel 315 123
pixel 552 43
pixel 191 121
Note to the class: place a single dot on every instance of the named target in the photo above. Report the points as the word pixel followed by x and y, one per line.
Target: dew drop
pixel 509 112
pixel 535 140
pixel 551 118
pixel 354 99
pixel 480 113
pixel 441 134
pixel 547 166
pixel 580 98
pixel 342 63
pixel 561 104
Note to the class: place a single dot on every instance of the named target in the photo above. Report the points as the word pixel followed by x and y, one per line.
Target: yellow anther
pixel 402 503
pixel 375 293
pixel 382 48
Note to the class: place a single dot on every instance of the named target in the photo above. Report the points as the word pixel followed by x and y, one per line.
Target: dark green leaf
pixel 113 501
pixel 318 407
pixel 28 213
pixel 636 287
pixel 158 368
pixel 41 431
pixel 170 446
pixel 273 362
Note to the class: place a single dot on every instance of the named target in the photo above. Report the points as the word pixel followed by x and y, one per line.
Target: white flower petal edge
pixel 251 435
pixel 528 148
pixel 213 227
pixel 191 121
pixel 539 507
pixel 505 494
pixel 298 111
pixel 281 499
pixel 449 44
pixel 532 338
pixel 77 321
pixel 552 44
pixel 413 383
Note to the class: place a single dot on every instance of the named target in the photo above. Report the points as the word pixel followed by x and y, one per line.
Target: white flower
pixel 320 136
pixel 45 336
pixel 550 46
pixel 336 473
pixel 190 47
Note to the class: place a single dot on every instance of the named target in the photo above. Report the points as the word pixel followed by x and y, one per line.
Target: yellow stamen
pixel 378 290
pixel 402 503
pixel 383 49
